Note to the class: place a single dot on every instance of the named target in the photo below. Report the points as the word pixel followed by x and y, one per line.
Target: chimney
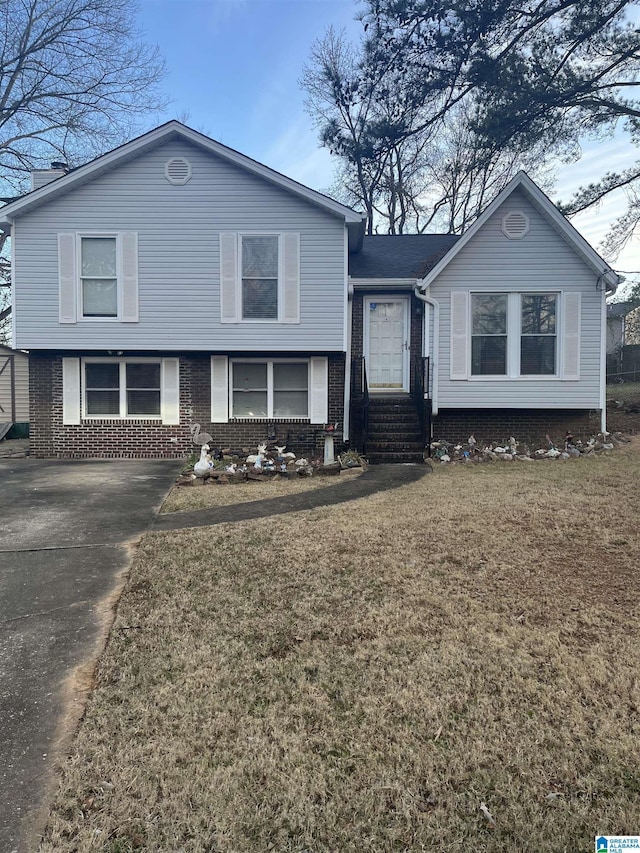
pixel 42 177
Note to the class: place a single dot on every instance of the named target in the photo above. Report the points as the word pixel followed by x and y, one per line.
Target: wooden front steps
pixel 394 433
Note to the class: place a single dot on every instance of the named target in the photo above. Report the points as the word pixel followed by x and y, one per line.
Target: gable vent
pixel 515 224
pixel 177 171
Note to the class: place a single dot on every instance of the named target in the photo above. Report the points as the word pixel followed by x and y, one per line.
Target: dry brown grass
pixel 363 677
pixel 624 391
pixel 182 499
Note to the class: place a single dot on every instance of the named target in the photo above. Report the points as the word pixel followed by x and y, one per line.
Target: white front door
pixel 386 342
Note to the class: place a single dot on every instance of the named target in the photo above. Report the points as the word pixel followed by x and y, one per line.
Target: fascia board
pixel 552 214
pixel 151 140
pixel 381 283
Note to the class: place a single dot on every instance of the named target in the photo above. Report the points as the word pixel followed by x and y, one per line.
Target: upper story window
pixel 538 332
pixel 260 277
pixel 488 334
pixel 98 276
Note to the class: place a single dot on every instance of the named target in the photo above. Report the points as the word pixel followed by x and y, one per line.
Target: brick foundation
pixel 143 439
pixel 530 426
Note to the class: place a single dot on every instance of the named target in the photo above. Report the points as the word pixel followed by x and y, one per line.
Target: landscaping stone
pixel 473 451
pixel 328 470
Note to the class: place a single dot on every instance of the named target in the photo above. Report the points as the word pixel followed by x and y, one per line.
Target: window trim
pixel 270 388
pixel 122 389
pixel 279 287
pixel 514 336
pixel 114 235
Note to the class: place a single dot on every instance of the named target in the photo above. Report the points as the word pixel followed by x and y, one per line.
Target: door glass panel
pixel 387 336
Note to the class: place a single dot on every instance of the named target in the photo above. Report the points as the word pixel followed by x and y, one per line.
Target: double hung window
pixel 122 389
pixel 260 277
pixel 538 334
pixel 99 276
pixel 514 334
pixel 488 334
pixel 270 389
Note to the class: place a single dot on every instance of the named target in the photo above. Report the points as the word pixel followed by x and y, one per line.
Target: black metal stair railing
pixel 422 397
pixel 359 408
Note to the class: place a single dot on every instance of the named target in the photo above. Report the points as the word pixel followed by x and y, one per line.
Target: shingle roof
pixel 399 255
pixel 620 309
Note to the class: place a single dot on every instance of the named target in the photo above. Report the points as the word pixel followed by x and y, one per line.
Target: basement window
pixel 270 389
pixel 122 389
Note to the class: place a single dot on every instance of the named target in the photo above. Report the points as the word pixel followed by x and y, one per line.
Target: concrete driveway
pixel 64 529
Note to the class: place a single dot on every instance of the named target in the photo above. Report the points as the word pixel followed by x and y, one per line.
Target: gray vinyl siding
pixel 178 255
pixel 542 261
pixel 21 388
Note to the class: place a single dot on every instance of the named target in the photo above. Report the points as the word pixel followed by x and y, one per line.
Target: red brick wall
pixel 137 439
pixel 526 425
pixel 303 437
pixel 104 438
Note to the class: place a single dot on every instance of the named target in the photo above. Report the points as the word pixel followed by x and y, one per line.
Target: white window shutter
pixel 459 334
pixel 229 280
pixel 219 389
pixel 571 336
pixel 170 393
pixel 70 391
pixel 319 391
pixel 129 254
pixel 67 278
pixel 290 278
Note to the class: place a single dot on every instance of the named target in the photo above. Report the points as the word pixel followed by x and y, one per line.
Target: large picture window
pixel 270 389
pixel 99 276
pixel 488 334
pixel 122 389
pixel 260 277
pixel 538 334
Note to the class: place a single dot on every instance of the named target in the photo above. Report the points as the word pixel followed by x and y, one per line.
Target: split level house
pixel 175 281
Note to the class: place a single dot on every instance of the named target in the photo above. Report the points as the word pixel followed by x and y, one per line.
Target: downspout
pixel 436 345
pixel 347 365
pixel 603 363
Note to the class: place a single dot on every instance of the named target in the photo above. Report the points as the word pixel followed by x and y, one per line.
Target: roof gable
pixel 172 130
pixel 551 213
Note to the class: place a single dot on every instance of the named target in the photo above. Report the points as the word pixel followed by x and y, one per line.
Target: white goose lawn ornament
pixel 202 468
pixel 198 437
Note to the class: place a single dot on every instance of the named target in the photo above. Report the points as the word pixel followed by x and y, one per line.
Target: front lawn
pixel 214 494
pixel 364 677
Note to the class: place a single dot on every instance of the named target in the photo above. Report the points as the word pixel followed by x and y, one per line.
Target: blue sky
pixel 234 70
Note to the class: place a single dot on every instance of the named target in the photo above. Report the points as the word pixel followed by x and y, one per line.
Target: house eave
pixel 382 283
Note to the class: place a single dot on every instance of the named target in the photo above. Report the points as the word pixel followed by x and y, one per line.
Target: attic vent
pixel 515 224
pixel 177 171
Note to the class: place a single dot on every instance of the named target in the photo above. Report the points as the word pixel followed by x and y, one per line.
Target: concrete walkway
pixel 377 478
